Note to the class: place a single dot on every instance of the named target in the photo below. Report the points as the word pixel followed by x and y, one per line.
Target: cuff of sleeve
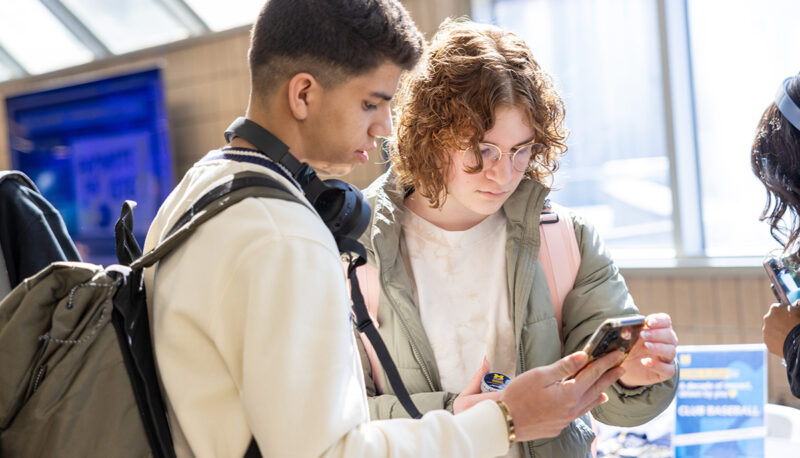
pixel 448 401
pixel 628 392
pixel 793 336
pixel 636 391
pixel 485 426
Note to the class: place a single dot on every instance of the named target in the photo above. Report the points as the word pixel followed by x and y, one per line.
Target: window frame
pixel 682 147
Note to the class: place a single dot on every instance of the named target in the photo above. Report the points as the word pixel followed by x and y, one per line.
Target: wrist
pixel 512 435
pixel 627 384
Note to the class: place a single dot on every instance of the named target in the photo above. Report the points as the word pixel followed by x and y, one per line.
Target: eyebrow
pixel 381 95
pixel 518 144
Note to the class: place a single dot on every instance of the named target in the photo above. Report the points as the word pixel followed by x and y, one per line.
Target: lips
pixel 493 194
pixel 363 157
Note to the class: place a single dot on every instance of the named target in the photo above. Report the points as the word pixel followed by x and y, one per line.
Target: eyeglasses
pixel 520 155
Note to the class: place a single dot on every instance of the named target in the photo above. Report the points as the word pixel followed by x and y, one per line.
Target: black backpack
pixel 78 376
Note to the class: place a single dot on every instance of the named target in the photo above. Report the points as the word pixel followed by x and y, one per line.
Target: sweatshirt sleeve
pixel 301 376
pixel 600 293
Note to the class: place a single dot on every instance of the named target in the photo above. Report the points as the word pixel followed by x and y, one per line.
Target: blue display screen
pixel 91 146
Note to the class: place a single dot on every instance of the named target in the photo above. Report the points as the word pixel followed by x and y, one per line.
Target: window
pixel 127 26
pixel 616 170
pixel 26 42
pixel 220 16
pixel 662 103
pixel 738 63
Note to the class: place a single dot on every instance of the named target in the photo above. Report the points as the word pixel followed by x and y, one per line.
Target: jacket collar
pixel 522 210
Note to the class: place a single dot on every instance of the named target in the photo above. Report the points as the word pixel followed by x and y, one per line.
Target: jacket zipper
pixel 526 446
pixel 417 354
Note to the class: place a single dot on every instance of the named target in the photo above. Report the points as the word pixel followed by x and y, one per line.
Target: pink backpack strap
pixel 560 257
pixel 370 288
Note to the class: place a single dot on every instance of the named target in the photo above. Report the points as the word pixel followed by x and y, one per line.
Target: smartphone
pixel 614 334
pixel 783 281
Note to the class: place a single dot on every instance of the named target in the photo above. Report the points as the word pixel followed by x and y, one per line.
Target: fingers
pixel 773 309
pixel 464 402
pixel 660 335
pixel 565 367
pixel 658 320
pixel 602 383
pixel 474 385
pixel 594 371
pixel 602 399
pixel 663 370
pixel 664 352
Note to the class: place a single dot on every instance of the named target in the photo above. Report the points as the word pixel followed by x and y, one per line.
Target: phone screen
pixel 615 334
pixel 784 282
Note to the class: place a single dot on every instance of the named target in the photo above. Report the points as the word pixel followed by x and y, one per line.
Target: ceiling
pixel 40 36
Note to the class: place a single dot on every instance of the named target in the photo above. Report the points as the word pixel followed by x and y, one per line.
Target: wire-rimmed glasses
pixel 520 155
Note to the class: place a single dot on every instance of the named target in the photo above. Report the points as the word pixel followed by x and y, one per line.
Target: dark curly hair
pixel 775 158
pixel 449 103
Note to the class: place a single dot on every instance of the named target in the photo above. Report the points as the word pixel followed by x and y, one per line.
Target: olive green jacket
pixel 599 293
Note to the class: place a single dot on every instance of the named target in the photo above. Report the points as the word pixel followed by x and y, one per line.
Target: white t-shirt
pixel 461 290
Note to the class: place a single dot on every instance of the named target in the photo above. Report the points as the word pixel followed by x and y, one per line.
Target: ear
pixel 304 92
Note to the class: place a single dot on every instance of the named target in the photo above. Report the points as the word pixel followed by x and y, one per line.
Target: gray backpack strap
pixel 240 187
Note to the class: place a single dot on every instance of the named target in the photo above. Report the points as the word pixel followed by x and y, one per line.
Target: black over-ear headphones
pixel 341 205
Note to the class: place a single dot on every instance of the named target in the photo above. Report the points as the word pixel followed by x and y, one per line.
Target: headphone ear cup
pixel 329 205
pixel 343 209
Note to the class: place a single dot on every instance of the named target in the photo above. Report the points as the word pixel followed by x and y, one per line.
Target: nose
pixel 501 171
pixel 381 125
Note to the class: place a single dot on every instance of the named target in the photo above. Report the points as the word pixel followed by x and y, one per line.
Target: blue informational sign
pixel 720 401
pixel 91 146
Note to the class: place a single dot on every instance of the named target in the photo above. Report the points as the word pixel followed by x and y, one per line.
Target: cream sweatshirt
pixel 253 338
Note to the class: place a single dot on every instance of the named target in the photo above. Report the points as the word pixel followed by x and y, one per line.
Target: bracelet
pixel 512 435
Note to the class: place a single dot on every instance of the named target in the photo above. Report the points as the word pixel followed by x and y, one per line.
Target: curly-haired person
pixel 775 160
pixel 453 247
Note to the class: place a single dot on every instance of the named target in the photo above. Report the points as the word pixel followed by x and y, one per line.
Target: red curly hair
pixel 449 103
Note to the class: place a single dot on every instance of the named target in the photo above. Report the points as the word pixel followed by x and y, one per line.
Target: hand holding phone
pixel 614 334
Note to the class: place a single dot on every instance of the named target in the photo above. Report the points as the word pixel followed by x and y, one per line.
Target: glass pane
pixel 226 15
pixel 5 73
pixel 738 64
pixel 604 56
pixel 127 25
pixel 24 39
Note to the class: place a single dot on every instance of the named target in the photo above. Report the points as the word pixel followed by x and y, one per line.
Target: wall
pixel 206 82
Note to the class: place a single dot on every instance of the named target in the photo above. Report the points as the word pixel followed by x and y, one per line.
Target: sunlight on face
pixel 351 116
pixel 473 197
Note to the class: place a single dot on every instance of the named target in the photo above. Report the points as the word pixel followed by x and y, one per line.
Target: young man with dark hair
pixel 250 317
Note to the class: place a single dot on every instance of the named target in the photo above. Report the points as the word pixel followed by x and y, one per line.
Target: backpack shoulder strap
pixel 18 176
pixel 240 187
pixel 559 255
pixel 370 288
pixel 139 362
